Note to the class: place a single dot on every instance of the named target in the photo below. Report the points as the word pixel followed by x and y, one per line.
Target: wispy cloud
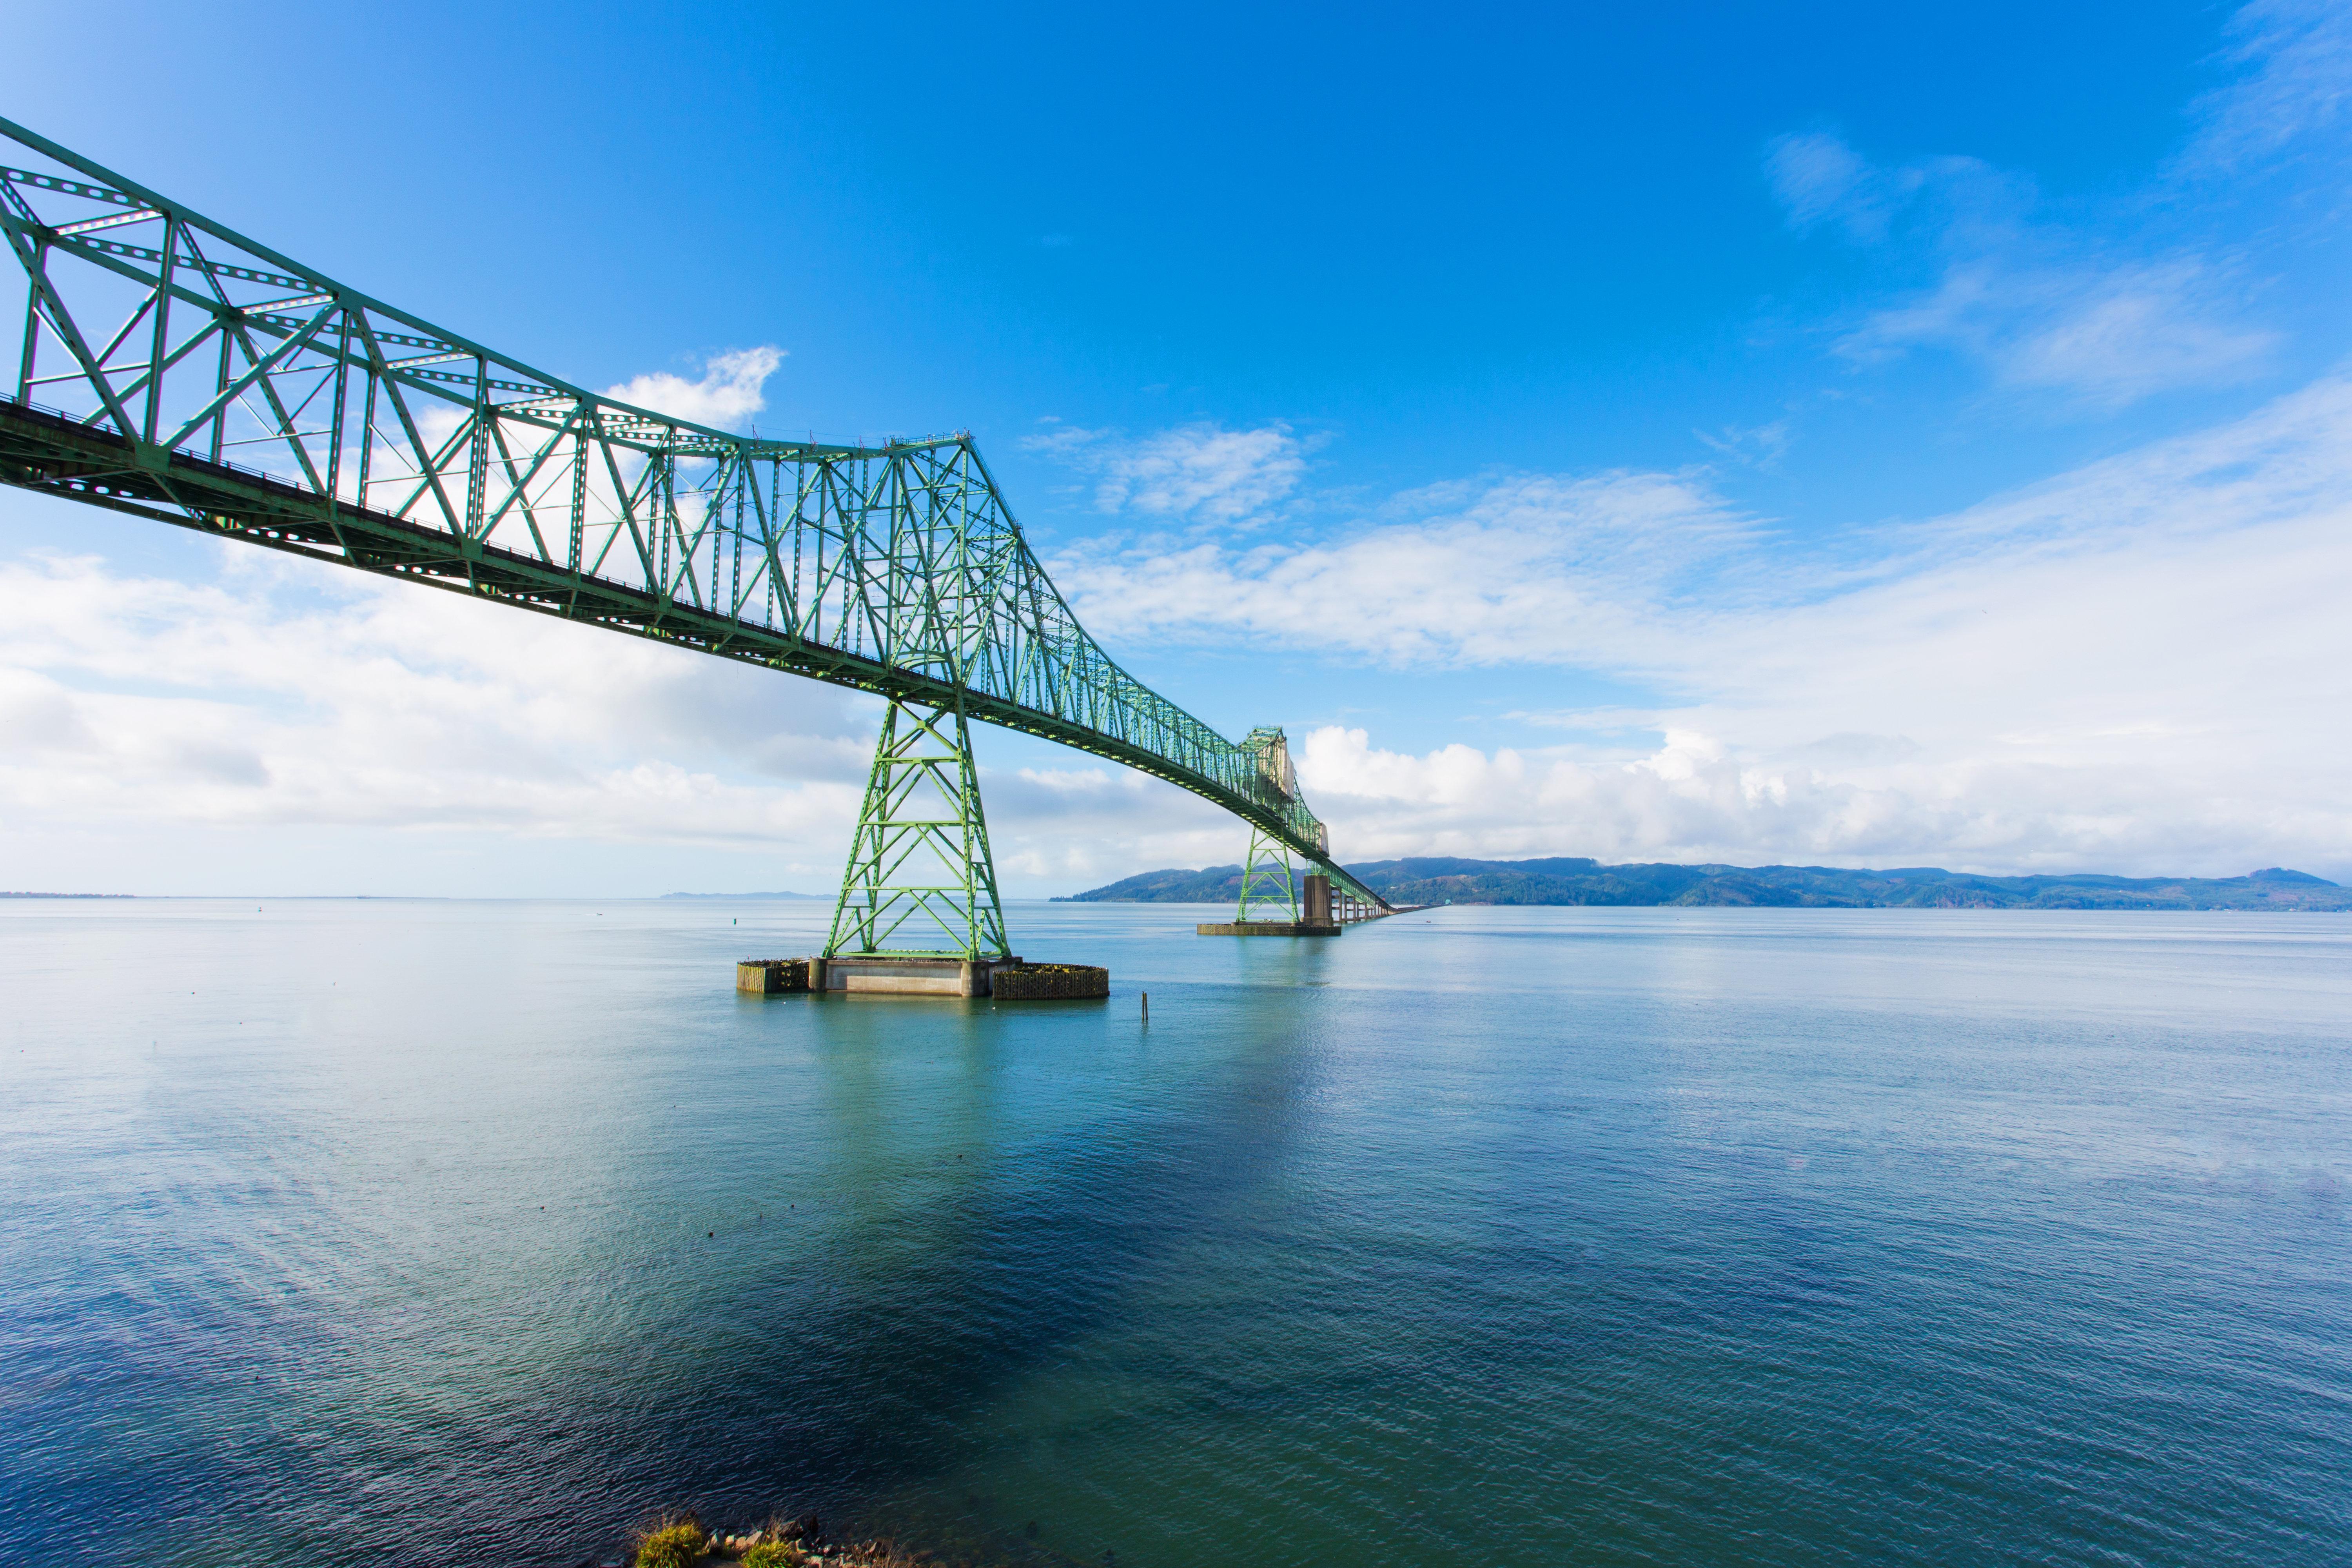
pixel 1820 180
pixel 2103 302
pixel 2295 60
pixel 1198 473
pixel 2044 305
pixel 1510 569
pixel 1758 446
pixel 2110 335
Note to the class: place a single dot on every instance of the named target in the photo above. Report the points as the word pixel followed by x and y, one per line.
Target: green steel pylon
pixel 920 863
pixel 1265 877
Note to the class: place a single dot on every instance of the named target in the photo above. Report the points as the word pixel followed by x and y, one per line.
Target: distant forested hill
pixel 1439 880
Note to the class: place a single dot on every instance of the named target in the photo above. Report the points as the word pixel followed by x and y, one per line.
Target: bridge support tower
pixel 1271 890
pixel 919 913
pixel 1266 878
pixel 921 882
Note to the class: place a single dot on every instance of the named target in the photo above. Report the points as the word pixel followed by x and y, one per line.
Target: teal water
pixel 473 1232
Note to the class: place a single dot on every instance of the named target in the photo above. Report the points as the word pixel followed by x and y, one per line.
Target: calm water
pixel 414 1232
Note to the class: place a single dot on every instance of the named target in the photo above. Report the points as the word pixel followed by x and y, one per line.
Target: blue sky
pixel 1873 435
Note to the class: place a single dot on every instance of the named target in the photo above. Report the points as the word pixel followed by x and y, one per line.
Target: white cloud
pixel 728 392
pixel 1523 567
pixel 1696 797
pixel 1071 828
pixel 282 726
pixel 259 700
pixel 2134 667
pixel 1199 473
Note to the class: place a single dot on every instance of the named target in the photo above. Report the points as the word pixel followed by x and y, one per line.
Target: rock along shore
pixel 681 1543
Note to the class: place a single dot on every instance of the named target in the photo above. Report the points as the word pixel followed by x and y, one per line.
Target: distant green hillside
pixel 1439 880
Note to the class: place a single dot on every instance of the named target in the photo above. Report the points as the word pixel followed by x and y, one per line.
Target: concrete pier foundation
pixel 1007 978
pixel 772 977
pixel 905 976
pixel 1269 928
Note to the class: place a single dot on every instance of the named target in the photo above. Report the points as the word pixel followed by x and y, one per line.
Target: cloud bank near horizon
pixel 2135 666
pixel 2127 668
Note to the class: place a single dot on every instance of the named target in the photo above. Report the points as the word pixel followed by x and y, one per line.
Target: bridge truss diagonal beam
pixel 171 368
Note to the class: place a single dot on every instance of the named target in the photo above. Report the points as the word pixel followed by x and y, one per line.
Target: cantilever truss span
pixel 172 369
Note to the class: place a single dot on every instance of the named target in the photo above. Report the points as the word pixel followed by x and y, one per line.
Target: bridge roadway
pixel 172 369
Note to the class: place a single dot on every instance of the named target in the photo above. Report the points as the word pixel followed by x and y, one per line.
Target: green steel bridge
pixel 172 369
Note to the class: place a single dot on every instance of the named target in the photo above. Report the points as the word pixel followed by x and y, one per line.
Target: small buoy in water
pixel 712 1233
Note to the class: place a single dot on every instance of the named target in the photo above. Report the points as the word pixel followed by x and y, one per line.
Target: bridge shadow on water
pixel 853 1373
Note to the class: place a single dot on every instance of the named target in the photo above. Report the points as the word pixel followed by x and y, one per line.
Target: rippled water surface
pixel 416 1232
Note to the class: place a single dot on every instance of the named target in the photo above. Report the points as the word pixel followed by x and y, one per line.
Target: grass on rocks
pixel 674 1544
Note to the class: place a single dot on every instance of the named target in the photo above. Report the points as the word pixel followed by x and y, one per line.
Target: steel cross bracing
pixel 171 368
pixel 918 862
pixel 1266 878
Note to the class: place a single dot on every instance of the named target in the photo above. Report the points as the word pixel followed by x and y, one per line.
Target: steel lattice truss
pixel 1266 878
pixel 172 369
pixel 920 858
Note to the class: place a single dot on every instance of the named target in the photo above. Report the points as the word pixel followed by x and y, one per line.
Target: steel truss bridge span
pixel 171 369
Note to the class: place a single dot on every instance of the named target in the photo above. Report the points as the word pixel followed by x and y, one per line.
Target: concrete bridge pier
pixel 890 975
